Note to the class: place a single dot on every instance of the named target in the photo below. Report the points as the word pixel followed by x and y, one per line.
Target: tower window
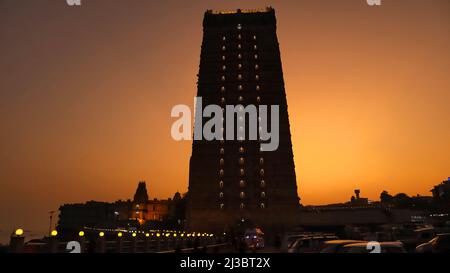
pixel 263 184
pixel 222 206
pixel 242 195
pixel 241 99
pixel 242 172
pixel 257 77
pixel 239 56
pixel 241 150
pixel 263 206
pixel 242 183
pixel 256 67
pixel 222 100
pixel 239 26
pixel 221 184
pixel 258 88
pixel 261 172
pixel 239 66
pixel 223 78
pixel 223 58
pixel 222 162
pixel 222 89
pixel 254 37
pixel 256 56
pixel 239 46
pixel 224 67
pixel 239 77
pixel 242 206
pixel 224 48
pixel 224 38
pixel 261 161
pixel 241 161
pixel 222 151
pixel 258 99
pixel 239 36
pixel 263 195
pixel 221 173
pixel 255 47
pixel 221 195
pixel 240 87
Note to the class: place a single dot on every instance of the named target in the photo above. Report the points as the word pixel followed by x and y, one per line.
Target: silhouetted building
pixel 232 183
pixel 136 212
pixel 358 200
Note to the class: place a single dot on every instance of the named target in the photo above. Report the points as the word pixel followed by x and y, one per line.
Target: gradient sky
pixel 86 94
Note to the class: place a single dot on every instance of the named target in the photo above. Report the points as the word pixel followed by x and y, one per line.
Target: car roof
pixel 339 242
pixel 383 244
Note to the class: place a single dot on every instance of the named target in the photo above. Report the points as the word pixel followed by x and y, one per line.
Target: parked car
pixel 335 245
pixel 385 247
pixel 420 236
pixel 289 239
pixel 439 244
pixel 310 244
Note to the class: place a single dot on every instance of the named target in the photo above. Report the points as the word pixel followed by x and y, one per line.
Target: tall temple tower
pixel 234 183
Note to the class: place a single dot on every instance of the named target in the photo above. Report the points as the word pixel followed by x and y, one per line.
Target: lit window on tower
pixel 242 183
pixel 241 161
pixel 242 195
pixel 263 184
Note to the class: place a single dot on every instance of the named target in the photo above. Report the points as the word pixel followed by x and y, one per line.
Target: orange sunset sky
pixel 86 94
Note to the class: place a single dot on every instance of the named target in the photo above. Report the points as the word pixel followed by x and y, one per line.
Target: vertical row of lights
pixel 222 142
pixel 253 54
pixel 262 204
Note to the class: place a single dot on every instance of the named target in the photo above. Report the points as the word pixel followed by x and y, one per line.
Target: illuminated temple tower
pixel 233 183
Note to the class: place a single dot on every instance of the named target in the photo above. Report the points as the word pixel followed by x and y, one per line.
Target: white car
pixel 384 247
